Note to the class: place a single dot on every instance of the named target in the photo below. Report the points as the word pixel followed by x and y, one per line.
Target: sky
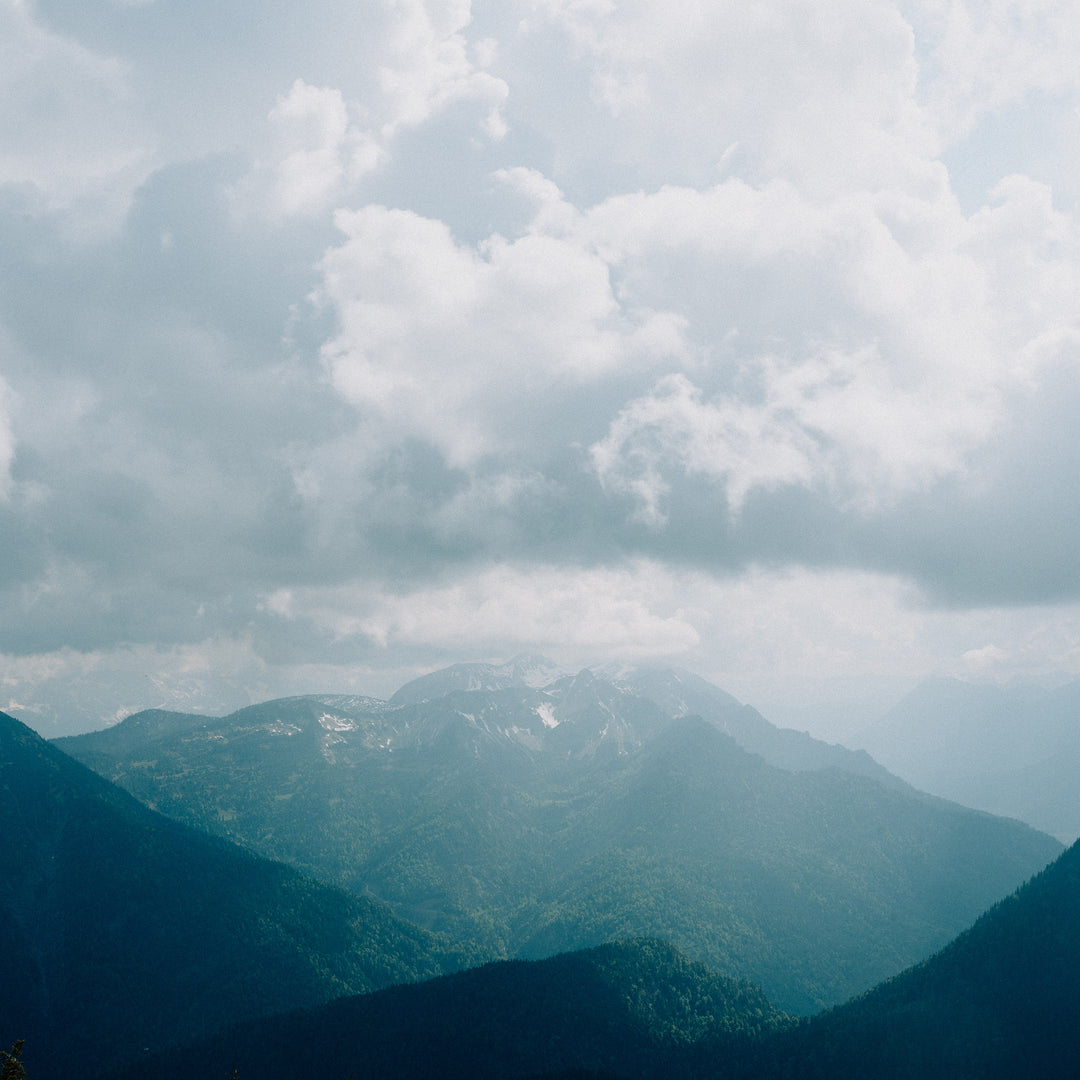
pixel 340 341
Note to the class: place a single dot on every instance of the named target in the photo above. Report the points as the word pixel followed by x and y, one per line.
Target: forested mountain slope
pixel 121 929
pixel 632 1009
pixel 1001 1001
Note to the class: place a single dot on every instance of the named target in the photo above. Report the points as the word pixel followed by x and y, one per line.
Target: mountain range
pixel 527 817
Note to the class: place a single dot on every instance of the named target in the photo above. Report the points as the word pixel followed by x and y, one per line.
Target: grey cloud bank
pixel 338 341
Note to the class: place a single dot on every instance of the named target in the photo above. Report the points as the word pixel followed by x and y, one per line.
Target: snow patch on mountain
pixel 330 722
pixel 546 712
pixel 282 729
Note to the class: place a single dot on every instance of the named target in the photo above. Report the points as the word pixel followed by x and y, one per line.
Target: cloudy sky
pixel 345 339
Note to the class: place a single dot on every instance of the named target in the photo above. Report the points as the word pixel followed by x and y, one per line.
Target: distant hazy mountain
pixel 1012 750
pixel 537 820
pixel 121 930
pixel 1001 1001
pixel 64 704
pixel 681 693
pixel 632 1009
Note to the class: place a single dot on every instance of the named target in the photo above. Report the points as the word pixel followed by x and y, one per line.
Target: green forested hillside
pixel 533 821
pixel 632 1009
pixel 122 930
pixel 1001 1001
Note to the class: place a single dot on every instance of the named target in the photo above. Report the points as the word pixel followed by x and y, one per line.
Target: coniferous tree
pixel 13 1068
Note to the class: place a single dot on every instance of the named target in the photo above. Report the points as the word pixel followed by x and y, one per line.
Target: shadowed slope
pixel 1002 1000
pixel 120 929
pixel 635 1008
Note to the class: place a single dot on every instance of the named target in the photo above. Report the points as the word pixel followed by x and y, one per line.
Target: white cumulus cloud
pixel 450 341
pixel 317 148
pixel 604 612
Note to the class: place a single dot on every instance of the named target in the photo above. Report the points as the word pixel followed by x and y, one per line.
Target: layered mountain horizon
pixel 529 812
pixel 657 878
